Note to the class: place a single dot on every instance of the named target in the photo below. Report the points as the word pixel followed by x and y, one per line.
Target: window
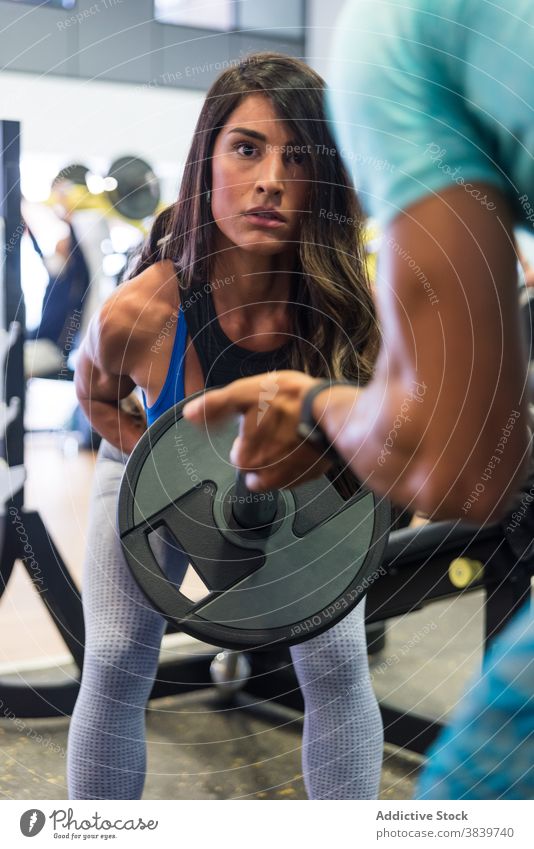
pixel 206 14
pixel 271 18
pixel 278 18
pixel 54 4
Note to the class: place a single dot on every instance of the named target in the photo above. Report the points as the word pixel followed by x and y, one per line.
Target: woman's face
pixel 260 183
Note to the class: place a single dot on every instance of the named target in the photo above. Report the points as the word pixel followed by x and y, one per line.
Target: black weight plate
pixel 74 173
pixel 137 193
pixel 284 584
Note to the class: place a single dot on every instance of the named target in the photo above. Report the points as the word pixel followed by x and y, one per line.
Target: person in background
pixel 63 302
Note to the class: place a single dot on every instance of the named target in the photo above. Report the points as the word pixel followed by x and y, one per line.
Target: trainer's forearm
pixel 472 481
pixel 369 441
pixel 443 426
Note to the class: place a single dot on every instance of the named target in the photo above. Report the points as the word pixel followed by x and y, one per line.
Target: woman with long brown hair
pixel 249 271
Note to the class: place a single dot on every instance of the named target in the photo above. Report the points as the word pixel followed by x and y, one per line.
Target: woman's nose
pixel 271 175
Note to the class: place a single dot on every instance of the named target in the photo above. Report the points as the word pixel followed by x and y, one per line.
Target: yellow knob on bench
pixel 463 571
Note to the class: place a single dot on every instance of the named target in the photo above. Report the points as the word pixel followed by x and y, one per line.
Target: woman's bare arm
pixel 102 377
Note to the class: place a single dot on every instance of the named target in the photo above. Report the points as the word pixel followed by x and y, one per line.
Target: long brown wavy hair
pixel 334 325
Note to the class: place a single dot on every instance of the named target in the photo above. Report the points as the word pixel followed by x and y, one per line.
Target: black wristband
pixel 308 428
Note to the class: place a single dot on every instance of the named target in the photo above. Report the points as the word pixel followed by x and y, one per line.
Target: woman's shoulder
pixel 158 281
pixel 138 308
pixel 145 298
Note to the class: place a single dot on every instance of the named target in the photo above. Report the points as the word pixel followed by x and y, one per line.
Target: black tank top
pixel 222 360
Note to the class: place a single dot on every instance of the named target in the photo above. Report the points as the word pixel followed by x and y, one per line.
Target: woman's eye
pixel 297 158
pixel 246 148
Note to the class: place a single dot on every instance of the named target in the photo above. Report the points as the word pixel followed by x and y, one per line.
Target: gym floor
pixel 197 748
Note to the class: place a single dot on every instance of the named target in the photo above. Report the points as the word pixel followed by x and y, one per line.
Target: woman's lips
pixel 260 219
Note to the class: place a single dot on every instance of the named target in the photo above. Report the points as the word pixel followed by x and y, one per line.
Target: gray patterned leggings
pixel 343 735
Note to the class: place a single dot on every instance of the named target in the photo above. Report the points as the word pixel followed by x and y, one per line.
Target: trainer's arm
pixel 102 378
pixel 450 376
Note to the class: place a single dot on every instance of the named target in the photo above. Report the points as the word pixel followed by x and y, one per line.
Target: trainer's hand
pixel 268 447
